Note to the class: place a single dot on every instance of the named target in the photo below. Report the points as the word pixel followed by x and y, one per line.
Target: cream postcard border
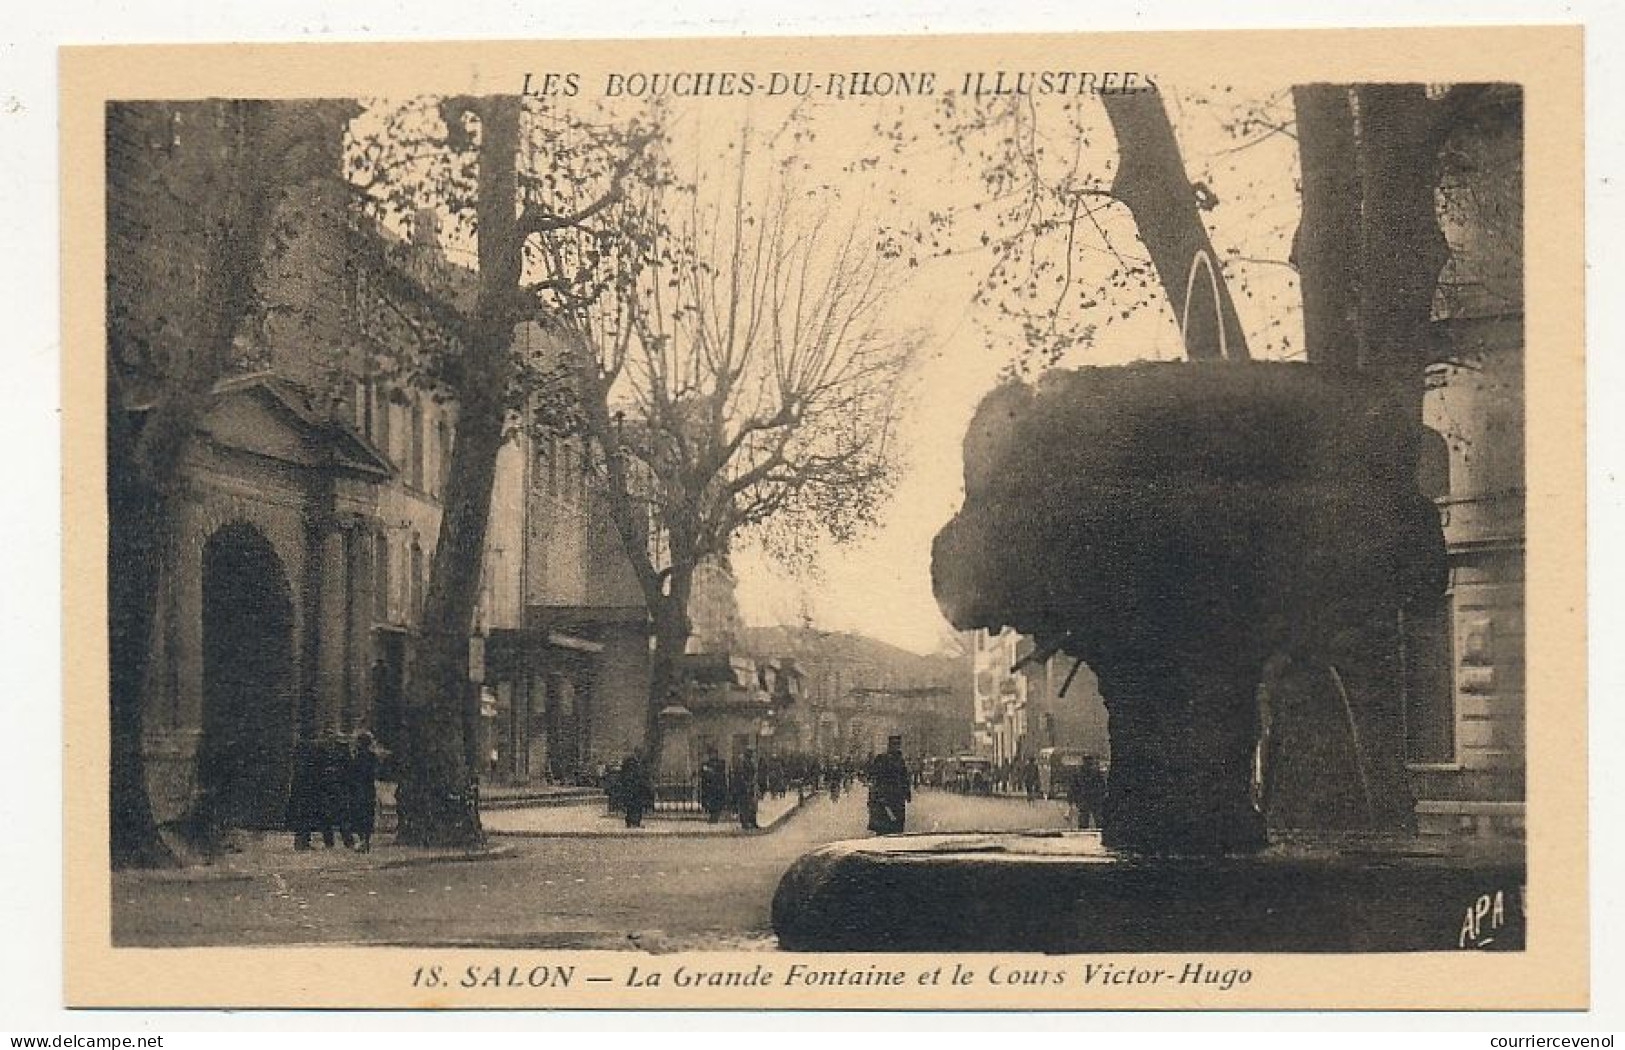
pixel 1551 973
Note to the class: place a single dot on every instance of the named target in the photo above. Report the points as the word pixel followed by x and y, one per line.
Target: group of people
pixel 334 791
pixel 736 787
pixel 1016 775
pixel 740 788
pixel 631 790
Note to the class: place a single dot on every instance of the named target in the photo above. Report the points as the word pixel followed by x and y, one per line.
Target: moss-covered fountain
pixel 1172 525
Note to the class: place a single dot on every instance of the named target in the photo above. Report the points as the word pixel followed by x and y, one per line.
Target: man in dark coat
pixel 332 789
pixel 303 794
pixel 889 791
pixel 1029 778
pixel 637 791
pixel 1086 790
pixel 362 785
pixel 713 785
pixel 745 791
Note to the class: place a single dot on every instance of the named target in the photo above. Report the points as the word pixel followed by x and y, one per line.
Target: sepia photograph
pixel 797 522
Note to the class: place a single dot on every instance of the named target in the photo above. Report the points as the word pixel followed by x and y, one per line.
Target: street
pixel 664 892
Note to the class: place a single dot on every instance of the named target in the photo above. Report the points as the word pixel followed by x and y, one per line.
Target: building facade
pixel 999 694
pixel 857 691
pixel 568 676
pixel 1075 718
pixel 310 499
pixel 1019 708
pixel 1466 694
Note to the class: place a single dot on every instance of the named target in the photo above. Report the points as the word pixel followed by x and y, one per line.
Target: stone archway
pixel 248 679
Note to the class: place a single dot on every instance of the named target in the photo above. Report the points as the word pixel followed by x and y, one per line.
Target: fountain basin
pixel 1065 893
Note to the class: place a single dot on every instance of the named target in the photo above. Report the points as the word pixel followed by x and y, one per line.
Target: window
pixel 416 581
pixel 380 416
pixel 417 449
pixel 380 579
pixel 442 432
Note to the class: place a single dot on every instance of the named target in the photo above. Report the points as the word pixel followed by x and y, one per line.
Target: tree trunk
pixel 1402 253
pixel 1326 247
pixel 133 527
pixel 671 630
pixel 1183 733
pixel 1402 249
pixel 438 795
pixel 439 803
pixel 1151 181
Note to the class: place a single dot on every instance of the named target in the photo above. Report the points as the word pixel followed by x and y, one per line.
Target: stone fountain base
pixel 1064 893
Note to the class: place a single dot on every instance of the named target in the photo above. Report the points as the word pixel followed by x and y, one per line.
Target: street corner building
pixel 305 495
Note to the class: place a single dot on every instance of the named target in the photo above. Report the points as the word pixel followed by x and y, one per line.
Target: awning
pixel 506 648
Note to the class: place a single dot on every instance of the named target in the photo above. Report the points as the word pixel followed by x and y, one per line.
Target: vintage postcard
pixel 1007 522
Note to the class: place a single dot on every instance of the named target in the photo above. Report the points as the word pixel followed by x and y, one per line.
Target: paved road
pixel 549 893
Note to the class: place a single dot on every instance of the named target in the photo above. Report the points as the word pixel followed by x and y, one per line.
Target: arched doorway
pixel 248 681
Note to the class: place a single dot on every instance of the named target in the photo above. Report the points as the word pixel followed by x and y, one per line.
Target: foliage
pixel 1061 264
pixel 578 178
pixel 744 364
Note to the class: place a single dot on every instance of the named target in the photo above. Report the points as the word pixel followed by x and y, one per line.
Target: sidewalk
pixel 594 822
pixel 266 854
pixel 502 796
pixel 261 854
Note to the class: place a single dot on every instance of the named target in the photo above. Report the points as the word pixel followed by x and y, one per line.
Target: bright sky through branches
pixel 896 168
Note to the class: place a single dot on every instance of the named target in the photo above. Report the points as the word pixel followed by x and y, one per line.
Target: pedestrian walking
pixel 1086 790
pixel 332 794
pixel 745 791
pixel 304 793
pixel 713 785
pixel 363 792
pixel 637 791
pixel 889 791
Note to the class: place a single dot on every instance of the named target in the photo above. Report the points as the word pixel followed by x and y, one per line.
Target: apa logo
pixel 1482 920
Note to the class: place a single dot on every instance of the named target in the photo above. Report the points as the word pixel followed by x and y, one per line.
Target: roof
pixel 718 669
pixel 567 617
pixel 350 450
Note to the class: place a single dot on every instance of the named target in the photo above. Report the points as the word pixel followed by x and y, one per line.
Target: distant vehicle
pixel 969 775
pixel 1055 766
pixel 931 771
